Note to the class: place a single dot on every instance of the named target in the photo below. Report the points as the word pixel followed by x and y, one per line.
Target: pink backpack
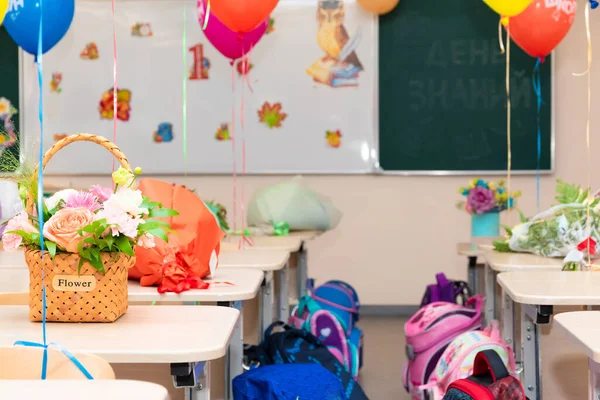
pixel 429 332
pixel 458 359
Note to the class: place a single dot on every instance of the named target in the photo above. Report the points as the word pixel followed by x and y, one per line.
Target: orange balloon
pixel 540 28
pixel 242 15
pixel 378 7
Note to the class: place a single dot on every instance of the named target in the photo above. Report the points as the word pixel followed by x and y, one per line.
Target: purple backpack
pixel 445 290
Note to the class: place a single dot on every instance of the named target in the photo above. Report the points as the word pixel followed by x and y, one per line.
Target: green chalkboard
pixel 442 92
pixel 9 90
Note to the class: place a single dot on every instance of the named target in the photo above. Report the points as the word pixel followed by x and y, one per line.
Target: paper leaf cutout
pixel 223 133
pixel 271 115
pixel 333 138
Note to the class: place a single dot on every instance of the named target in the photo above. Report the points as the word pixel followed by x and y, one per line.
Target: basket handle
pixel 78 137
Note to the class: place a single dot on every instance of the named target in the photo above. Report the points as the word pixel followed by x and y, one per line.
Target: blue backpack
pixel 330 313
pixel 298 346
pixel 288 382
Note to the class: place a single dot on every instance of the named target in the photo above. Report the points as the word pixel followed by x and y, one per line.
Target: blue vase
pixel 485 225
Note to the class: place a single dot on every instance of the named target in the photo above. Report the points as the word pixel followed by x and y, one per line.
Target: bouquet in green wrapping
pixel 571 226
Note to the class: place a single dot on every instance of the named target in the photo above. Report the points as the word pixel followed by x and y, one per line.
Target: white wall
pixel 397 231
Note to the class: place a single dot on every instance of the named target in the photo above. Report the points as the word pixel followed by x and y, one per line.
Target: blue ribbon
pixel 45 357
pixel 537 87
pixel 40 212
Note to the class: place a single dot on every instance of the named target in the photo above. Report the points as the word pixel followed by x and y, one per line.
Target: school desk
pixel 584 328
pixel 471 251
pixel 184 337
pixel 538 292
pixel 228 288
pixel 270 262
pixel 294 242
pixel 496 262
pixel 82 389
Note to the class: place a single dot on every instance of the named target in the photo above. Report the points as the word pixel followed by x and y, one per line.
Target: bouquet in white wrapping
pixel 565 230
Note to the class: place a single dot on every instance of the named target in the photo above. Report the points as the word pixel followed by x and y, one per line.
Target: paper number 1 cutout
pixel 201 65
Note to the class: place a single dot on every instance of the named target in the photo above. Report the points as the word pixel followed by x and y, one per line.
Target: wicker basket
pixel 102 297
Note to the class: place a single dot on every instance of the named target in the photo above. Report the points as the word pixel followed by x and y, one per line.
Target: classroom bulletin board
pixel 301 113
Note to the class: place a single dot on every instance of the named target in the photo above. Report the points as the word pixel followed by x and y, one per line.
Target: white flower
pixel 126 200
pixel 53 201
pixel 120 222
pixel 146 241
pixel 5 108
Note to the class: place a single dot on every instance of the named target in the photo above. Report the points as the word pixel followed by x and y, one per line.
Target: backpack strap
pixel 488 362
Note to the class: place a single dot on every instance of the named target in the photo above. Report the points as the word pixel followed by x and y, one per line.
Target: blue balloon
pixel 22 22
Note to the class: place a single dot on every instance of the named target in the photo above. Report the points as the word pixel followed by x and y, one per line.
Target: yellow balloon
pixel 378 7
pixel 3 9
pixel 508 8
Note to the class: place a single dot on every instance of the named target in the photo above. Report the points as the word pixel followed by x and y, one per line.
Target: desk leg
pixel 283 301
pixel 530 350
pixel 194 378
pixel 594 379
pixel 302 271
pixel 266 304
pixel 235 354
pixel 490 294
pixel 473 275
pixel 508 318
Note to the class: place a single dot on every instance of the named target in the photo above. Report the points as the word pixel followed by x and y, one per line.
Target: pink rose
pixel 62 227
pixel 20 222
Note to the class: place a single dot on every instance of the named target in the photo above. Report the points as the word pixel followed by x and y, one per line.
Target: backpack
pixel 430 331
pixel 490 381
pixel 445 290
pixel 459 357
pixel 288 382
pixel 292 346
pixel 329 313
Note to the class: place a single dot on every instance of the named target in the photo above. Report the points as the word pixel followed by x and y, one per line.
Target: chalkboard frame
pixel 378 170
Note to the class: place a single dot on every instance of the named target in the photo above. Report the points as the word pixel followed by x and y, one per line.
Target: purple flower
pixel 83 200
pixel 481 200
pixel 100 192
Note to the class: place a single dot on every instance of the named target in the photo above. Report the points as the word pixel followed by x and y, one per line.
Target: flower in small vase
pixel 83 199
pixel 20 222
pixel 61 195
pixel 62 228
pixel 101 193
pixel 481 200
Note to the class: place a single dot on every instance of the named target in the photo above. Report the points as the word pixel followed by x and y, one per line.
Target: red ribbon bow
pixel 588 244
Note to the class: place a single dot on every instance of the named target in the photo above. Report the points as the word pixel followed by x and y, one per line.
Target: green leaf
pixel 508 230
pixel 159 233
pixel 51 248
pixel 567 193
pixel 97 264
pixel 109 240
pixel 81 261
pixel 91 240
pixel 123 243
pixel 501 246
pixel 100 227
pixel 524 219
pixel 89 229
pixel 163 212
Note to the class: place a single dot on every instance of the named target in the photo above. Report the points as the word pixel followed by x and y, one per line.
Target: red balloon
pixel 242 16
pixel 542 26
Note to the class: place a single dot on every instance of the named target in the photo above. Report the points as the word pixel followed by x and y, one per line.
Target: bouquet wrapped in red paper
pixel 193 248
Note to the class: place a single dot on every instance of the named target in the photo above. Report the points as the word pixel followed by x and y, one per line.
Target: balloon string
pixel 588 72
pixel 500 40
pixel 40 186
pixel 232 135
pixel 246 69
pixel 508 120
pixel 114 80
pixel 184 86
pixel 537 88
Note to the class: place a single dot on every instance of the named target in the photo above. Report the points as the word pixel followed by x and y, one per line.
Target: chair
pixel 14 299
pixel 25 363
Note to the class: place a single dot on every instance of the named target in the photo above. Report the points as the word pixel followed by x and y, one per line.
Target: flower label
pixel 74 283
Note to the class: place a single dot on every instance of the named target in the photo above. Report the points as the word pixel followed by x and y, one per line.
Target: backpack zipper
pixel 477 392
